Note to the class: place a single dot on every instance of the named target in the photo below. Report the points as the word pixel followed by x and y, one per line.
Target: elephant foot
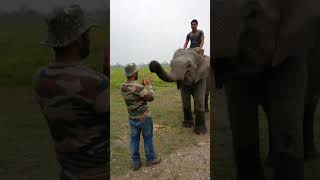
pixel 187 123
pixel 200 130
pixel 200 126
pixel 310 155
pixel 188 118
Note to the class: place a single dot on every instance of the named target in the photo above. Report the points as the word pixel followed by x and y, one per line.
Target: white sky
pixel 145 30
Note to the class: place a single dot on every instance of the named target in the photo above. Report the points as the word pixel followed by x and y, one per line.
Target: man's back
pixel 136 97
pixel 74 101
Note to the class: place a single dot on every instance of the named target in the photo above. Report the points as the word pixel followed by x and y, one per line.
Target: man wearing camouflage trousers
pixel 140 121
pixel 74 99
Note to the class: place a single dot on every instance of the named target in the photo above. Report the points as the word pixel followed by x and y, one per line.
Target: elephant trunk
pixel 155 67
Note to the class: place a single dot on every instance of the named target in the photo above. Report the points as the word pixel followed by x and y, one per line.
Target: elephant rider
pixel 196 37
pixel 74 99
pixel 136 97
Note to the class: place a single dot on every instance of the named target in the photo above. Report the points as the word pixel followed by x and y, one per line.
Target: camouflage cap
pixel 130 69
pixel 65 25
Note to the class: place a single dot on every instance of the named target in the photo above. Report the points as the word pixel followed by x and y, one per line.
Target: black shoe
pixel 136 166
pixel 200 126
pixel 157 160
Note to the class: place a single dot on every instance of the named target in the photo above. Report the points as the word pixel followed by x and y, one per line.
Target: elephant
pixel 312 97
pixel 311 101
pixel 260 57
pixel 190 71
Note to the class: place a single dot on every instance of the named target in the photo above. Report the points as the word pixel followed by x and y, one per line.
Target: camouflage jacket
pixel 75 102
pixel 136 97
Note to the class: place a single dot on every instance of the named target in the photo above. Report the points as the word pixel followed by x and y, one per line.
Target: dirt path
pixel 191 162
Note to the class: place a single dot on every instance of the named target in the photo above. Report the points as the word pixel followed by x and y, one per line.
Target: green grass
pixel 22 54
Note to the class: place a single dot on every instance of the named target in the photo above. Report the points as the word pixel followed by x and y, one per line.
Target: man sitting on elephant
pixel 196 37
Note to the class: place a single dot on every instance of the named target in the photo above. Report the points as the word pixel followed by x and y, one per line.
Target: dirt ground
pixel 185 163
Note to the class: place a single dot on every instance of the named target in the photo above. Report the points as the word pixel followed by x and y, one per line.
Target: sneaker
pixel 136 166
pixel 157 160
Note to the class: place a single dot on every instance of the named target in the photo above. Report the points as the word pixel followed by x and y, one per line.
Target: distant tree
pixel 165 63
pixel 118 65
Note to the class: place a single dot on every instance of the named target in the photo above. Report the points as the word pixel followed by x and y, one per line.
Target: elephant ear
pixel 203 68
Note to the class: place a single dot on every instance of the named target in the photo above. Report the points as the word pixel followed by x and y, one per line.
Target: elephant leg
pixel 207 102
pixel 243 114
pixel 269 160
pixel 199 100
pixel 308 136
pixel 207 94
pixel 186 104
pixel 310 152
pixel 285 113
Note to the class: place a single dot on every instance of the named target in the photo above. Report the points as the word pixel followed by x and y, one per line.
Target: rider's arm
pixel 202 40
pixel 186 43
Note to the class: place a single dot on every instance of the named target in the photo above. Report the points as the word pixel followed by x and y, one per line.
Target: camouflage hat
pixel 130 69
pixel 65 25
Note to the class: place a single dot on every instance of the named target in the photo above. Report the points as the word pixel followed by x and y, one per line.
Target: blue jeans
pixel 146 128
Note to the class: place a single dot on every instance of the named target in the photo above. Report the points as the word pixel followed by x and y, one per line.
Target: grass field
pixel 26 147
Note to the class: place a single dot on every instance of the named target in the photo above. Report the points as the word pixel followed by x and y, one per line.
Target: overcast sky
pixel 144 30
pixel 47 5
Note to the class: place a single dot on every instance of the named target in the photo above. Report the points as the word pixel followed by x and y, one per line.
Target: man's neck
pixel 67 58
pixel 131 80
pixel 194 30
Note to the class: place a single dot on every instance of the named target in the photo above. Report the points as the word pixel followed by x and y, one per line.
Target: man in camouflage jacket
pixel 74 99
pixel 140 121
